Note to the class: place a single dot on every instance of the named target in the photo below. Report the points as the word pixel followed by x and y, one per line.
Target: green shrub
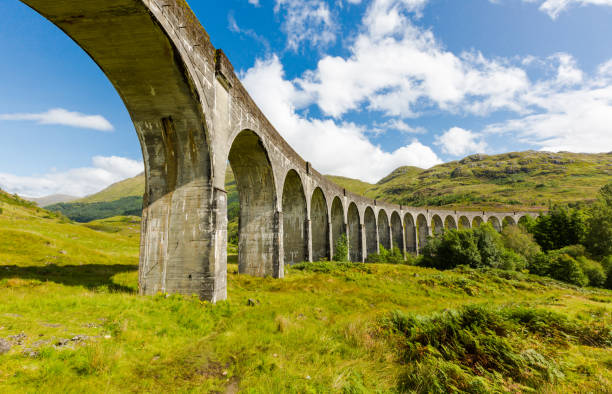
pixel 608 269
pixel 517 239
pixel 393 256
pixel 341 249
pixel 593 271
pixel 540 264
pixel 564 268
pixel 330 267
pixel 561 227
pixel 512 261
pixel 478 348
pixel 599 233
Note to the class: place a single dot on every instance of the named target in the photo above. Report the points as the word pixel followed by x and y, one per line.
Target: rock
pixel 17 339
pixel 5 346
pixel 252 302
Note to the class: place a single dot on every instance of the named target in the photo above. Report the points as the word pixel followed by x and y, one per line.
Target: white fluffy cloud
pixel 75 182
pixel 399 68
pixel 306 21
pixel 254 2
pixel 577 118
pixel 555 7
pixel 459 142
pixel 60 116
pixel 340 148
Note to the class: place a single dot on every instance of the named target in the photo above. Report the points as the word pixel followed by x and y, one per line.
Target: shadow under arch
pixel 371 231
pixel 494 221
pixel 158 85
pixel 258 246
pixel 508 221
pixel 449 223
pixel 411 233
pixel 384 238
pixel 397 234
pixel 294 219
pixel 319 226
pixel 477 221
pixel 422 231
pixel 354 233
pixel 338 227
pixel 437 225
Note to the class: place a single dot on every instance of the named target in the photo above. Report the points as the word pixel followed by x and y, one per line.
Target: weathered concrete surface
pixel 193 116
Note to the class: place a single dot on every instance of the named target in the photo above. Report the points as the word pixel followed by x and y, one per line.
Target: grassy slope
pixel 308 332
pixel 510 181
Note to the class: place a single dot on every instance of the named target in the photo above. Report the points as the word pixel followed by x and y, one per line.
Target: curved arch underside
pixel 423 231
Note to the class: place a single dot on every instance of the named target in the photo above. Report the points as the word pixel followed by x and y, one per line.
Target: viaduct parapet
pixel 193 116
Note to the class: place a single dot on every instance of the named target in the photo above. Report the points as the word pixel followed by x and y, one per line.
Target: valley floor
pixel 70 313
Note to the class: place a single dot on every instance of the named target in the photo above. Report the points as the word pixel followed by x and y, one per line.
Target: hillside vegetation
pixel 71 321
pixel 511 181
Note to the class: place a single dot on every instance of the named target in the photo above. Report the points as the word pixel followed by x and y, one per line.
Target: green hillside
pixel 71 321
pixel 510 181
pixel 127 188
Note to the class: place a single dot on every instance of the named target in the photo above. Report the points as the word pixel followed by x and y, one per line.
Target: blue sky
pixel 399 82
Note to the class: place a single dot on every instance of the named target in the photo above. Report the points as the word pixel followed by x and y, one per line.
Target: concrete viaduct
pixel 193 117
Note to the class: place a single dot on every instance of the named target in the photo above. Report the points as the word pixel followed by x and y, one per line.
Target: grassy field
pixel 69 309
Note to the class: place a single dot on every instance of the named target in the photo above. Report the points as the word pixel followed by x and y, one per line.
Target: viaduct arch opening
pixel 384 238
pixel 319 226
pixel 338 228
pixel 371 231
pixel 294 219
pixel 258 217
pixel 411 233
pixel 354 233
pixel 396 231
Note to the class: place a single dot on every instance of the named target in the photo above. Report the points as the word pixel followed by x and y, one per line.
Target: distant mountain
pixel 52 199
pixel 509 181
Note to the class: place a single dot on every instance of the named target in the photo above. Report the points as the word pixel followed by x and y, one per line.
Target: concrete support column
pixel 364 247
pixel 377 240
pixel 278 263
pixel 330 239
pixel 308 239
pixel 404 248
pixel 184 241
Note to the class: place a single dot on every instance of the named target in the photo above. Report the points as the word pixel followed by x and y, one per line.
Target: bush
pixel 564 268
pixel 512 261
pixel 393 256
pixel 608 284
pixel 450 249
pixel 561 227
pixel 593 271
pixel 540 264
pixel 517 239
pixel 341 249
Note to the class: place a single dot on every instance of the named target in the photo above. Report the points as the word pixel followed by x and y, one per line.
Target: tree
pixel 561 227
pixel 518 240
pixel 598 238
pixel 341 249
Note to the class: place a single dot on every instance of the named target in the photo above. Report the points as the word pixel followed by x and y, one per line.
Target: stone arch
pixel 371 232
pixel 437 226
pixel 319 225
pixel 338 227
pixel 508 221
pixel 410 231
pixel 354 233
pixel 397 234
pixel 172 130
pixel 523 220
pixel 464 222
pixel 294 219
pixel 477 221
pixel 494 221
pixel 258 220
pixel 384 238
pixel 449 223
pixel 422 230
